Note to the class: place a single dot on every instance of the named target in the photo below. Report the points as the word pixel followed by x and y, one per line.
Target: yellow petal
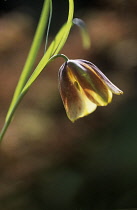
pixel 75 101
pixel 113 88
pixel 83 87
pixel 93 86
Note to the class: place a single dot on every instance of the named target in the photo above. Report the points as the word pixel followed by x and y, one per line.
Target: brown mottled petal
pixel 93 86
pixel 75 101
pixel 94 68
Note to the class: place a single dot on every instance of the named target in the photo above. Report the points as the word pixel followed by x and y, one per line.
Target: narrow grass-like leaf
pixel 60 39
pixel 84 33
pixel 54 48
pixel 32 54
pixel 63 38
pixel 55 43
pixel 68 27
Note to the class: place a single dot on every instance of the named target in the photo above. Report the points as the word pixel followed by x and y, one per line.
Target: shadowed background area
pixel 47 162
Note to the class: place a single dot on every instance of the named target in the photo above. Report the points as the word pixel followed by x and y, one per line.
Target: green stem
pixel 7 122
pixel 24 85
pixel 32 53
pixel 58 56
pixel 20 97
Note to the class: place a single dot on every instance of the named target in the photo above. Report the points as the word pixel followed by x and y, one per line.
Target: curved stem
pixel 58 56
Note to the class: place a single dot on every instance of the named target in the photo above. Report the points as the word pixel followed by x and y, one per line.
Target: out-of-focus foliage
pixel 46 162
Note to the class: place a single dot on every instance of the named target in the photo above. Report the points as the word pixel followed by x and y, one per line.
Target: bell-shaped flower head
pixel 83 87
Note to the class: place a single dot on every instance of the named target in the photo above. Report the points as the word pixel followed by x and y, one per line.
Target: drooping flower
pixel 83 87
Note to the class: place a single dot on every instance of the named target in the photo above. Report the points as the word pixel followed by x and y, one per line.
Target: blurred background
pixel 47 162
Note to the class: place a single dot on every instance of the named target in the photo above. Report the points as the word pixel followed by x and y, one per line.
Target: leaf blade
pixel 32 54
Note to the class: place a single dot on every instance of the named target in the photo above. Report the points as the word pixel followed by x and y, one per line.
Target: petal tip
pixel 119 92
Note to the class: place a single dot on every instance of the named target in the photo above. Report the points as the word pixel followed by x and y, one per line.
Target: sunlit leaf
pixel 32 54
pixel 54 47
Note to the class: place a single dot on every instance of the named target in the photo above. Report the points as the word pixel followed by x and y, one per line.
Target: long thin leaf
pixel 54 48
pixel 32 53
